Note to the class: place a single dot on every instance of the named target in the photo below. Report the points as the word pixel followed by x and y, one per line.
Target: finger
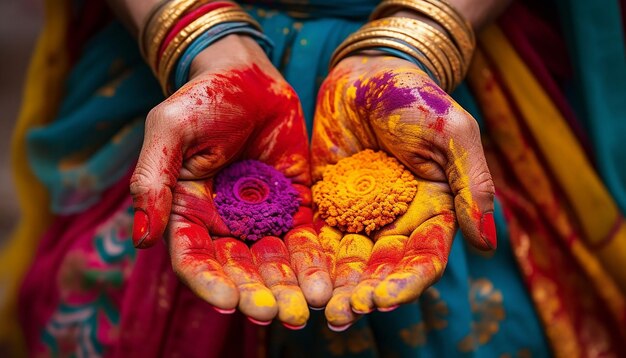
pixel 329 239
pixel 193 201
pixel 309 263
pixel 272 258
pixel 425 258
pixel 472 186
pixel 193 260
pixel 431 199
pixel 255 300
pixel 154 177
pixel 387 252
pixel 352 255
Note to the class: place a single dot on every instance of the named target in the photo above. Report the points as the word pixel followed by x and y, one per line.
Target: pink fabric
pixel 89 293
pixel 162 317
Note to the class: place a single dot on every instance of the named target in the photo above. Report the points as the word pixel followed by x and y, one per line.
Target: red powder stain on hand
pixel 438 125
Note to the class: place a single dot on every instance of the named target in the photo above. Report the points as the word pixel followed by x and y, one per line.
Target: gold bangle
pixel 163 21
pixel 157 27
pixel 455 59
pixel 180 43
pixel 437 58
pixel 463 38
pixel 141 37
pixel 185 32
pixel 378 42
pixel 442 13
pixel 419 29
pixel 459 33
pixel 414 24
pixel 413 35
pixel 453 12
pixel 444 56
pixel 451 54
pixel 196 28
pixel 427 44
pixel 168 62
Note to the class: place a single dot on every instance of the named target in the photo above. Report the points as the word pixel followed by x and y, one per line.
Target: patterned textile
pixel 553 286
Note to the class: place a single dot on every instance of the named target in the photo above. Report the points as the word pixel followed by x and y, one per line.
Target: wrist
pixel 225 53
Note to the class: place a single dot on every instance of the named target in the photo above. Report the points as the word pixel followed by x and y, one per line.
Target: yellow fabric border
pixel 41 97
pixel 506 133
pixel 591 202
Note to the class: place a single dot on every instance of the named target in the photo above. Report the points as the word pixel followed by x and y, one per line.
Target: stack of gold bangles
pixel 177 30
pixel 443 54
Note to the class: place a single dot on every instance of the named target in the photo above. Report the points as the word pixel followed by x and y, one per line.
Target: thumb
pixel 152 182
pixel 472 187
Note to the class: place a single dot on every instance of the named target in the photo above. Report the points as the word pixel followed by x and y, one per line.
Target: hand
pixel 235 107
pixel 385 103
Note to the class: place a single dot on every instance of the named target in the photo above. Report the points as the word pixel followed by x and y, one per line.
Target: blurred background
pixel 20 22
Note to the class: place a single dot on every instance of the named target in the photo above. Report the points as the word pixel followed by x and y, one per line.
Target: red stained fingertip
pixel 488 230
pixel 141 224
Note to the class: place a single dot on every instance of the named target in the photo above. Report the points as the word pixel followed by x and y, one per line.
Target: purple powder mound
pixel 255 200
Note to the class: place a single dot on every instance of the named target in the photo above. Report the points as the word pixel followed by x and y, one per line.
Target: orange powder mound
pixel 364 192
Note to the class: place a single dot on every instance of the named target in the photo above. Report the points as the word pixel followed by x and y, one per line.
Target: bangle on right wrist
pixel 443 50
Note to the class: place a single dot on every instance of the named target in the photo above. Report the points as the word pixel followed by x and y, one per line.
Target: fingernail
pixel 316 308
pixel 140 227
pixel 294 328
pixel 387 309
pixel 223 311
pixel 488 230
pixel 260 323
pixel 339 328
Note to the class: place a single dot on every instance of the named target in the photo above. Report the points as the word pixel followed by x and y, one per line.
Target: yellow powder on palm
pixel 364 192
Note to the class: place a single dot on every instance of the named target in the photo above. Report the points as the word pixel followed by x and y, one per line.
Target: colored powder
pixel 364 192
pixel 435 98
pixel 255 200
pixel 380 93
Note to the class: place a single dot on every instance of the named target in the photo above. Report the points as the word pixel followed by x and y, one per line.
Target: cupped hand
pixel 385 103
pixel 234 107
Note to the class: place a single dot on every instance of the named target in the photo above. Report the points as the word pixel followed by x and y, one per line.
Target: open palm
pixel 243 111
pixel 385 103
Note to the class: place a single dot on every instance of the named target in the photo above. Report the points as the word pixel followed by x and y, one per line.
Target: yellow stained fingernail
pixel 263 298
pixel 338 311
pixel 361 299
pixel 393 289
pixel 293 308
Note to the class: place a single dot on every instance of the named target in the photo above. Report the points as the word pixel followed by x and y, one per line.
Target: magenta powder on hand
pixel 255 200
